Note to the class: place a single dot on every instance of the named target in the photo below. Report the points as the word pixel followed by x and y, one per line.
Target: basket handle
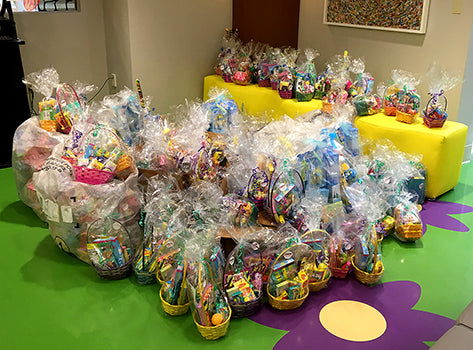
pixel 75 94
pixel 435 97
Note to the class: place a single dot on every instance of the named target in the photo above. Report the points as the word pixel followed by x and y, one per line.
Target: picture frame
pixel 408 16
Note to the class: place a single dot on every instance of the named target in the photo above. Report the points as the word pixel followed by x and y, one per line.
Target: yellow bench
pixel 442 148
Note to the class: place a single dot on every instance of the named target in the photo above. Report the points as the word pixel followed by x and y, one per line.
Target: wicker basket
pixel 285 93
pixel 173 310
pixel 92 176
pixel 246 309
pixel 338 272
pixel 145 278
pixel 264 83
pixel 406 117
pixel 434 123
pixel 409 232
pixel 114 274
pixel 227 78
pixel 48 125
pixel 125 166
pixel 327 107
pixel 365 277
pixel 215 332
pixel 117 272
pixel 389 110
pixel 317 286
pixel 286 304
pixel 274 85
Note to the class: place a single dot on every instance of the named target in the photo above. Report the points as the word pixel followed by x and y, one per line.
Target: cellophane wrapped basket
pixel 288 284
pixel 109 248
pixel 319 242
pixel 243 278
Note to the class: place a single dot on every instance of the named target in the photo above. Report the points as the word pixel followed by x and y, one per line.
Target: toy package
pixel 440 81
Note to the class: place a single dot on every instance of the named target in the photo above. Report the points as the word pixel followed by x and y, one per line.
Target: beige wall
pixel 117 40
pixel 446 42
pixel 174 44
pixel 73 43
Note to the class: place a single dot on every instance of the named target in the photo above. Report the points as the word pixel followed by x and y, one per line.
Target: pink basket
pixel 274 85
pixel 264 83
pixel 227 78
pixel 285 93
pixel 92 176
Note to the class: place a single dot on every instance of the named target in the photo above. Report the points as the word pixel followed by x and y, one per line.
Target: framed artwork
pixel 408 16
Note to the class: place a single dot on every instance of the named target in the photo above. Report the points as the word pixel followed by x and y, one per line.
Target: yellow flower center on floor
pixel 352 320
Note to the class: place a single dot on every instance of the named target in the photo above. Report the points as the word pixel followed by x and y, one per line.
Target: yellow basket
pixel 327 107
pixel 406 117
pixel 365 277
pixel 49 125
pixel 409 232
pixel 125 166
pixel 286 304
pixel 215 332
pixel 173 310
pixel 317 286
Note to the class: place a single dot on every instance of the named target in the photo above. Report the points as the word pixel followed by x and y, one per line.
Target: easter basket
pixel 90 174
pixel 214 332
pixel 319 241
pixel 406 117
pixel 176 310
pixel 408 225
pixel 109 248
pixel 241 78
pixel 48 125
pixel 409 232
pixel 228 78
pixel 435 116
pixel 243 278
pixel 264 83
pixel 366 277
pixel 336 255
pixel 327 107
pixel 173 310
pixel 298 254
pixel 210 330
pixel 285 94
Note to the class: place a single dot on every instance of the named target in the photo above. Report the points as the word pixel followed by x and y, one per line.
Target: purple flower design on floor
pixel 406 328
pixel 437 213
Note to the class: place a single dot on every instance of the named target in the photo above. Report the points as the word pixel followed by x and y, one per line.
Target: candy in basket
pixel 367 104
pixel 288 284
pixel 173 292
pixel 258 185
pixel 407 110
pixel 109 248
pixel 440 81
pixel 240 210
pixel 408 225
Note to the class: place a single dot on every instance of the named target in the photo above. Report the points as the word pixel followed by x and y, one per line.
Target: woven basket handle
pixel 434 98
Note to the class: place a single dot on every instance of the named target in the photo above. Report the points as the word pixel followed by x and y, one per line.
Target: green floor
pixel 51 300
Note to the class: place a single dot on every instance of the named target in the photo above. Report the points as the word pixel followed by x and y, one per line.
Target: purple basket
pixel 274 85
pixel 227 78
pixel 285 93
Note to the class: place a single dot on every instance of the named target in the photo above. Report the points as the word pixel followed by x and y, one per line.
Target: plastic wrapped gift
pixel 440 81
pixel 241 210
pixel 173 292
pixel 306 77
pixel 408 225
pixel 288 284
pixel 367 265
pixel 243 278
pixel 210 309
pixel 319 242
pixel 109 248
pixel 285 192
pixel 367 104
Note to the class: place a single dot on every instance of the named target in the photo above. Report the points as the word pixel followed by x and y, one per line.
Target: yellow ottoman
pixel 260 101
pixel 442 148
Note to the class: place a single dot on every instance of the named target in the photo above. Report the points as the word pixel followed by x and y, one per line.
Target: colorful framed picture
pixel 408 16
